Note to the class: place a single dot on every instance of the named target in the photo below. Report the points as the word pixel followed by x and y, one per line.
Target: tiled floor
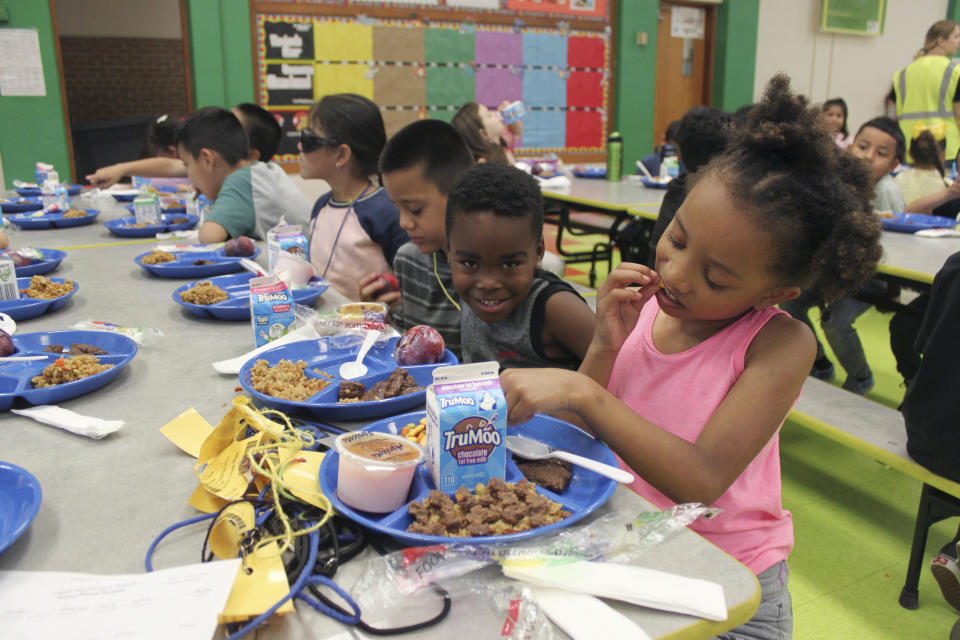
pixel 853 519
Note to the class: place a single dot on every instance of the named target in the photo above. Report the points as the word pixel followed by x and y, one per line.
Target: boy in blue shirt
pixel 513 312
pixel 418 166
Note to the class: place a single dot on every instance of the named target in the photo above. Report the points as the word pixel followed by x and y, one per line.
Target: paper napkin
pixel 71 421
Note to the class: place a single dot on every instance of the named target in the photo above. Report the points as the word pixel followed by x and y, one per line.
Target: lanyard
pixel 336 238
pixel 436 273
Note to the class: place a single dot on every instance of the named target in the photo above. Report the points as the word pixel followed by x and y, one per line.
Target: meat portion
pixel 551 473
pixel 399 383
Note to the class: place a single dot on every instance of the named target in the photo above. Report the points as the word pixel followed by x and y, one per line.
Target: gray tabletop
pixel 915 257
pixel 611 196
pixel 105 501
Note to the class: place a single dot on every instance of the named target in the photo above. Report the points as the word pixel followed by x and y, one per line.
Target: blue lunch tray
pixel 237 306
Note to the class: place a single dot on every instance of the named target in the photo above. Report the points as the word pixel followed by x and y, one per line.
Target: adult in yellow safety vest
pixel 928 89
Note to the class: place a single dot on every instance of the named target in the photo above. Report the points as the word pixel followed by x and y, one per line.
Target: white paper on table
pixel 585 617
pixel 71 421
pixel 181 602
pixel 556 182
pixel 233 365
pixel 630 583
pixel 937 233
pixel 184 234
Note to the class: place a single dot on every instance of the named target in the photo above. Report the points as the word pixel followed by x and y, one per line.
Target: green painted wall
pixel 221 52
pixel 635 74
pixel 953 11
pixel 31 127
pixel 735 53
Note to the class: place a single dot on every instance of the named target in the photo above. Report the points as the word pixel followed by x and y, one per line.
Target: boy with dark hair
pixel 880 144
pixel 515 313
pixel 213 147
pixel 418 166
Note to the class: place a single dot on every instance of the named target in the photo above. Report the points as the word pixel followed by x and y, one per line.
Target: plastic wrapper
pixel 140 335
pixel 614 537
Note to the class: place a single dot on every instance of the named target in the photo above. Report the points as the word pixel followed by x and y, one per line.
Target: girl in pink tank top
pixel 692 369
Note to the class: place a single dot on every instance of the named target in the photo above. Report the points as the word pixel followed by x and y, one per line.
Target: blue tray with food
pixel 30 307
pixel 20 205
pixel 124 195
pixel 72 190
pixel 911 222
pixel 191 264
pixel 73 363
pixel 46 220
pixel 318 390
pixel 128 227
pixel 585 492
pixel 20 498
pixel 33 266
pixel 167 205
pixel 590 172
pixel 228 297
pixel 654 183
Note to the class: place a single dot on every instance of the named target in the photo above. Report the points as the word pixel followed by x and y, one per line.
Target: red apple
pixel 241 246
pixel 18 260
pixel 388 282
pixel 420 345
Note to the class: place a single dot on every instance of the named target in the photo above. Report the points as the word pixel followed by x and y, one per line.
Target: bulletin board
pixel 858 17
pixel 418 66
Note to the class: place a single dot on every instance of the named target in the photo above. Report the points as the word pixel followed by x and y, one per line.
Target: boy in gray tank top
pixel 512 312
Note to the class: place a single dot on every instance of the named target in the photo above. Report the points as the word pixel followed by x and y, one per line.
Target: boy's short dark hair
pixel 673 130
pixel 703 135
pixel 215 129
pixel 501 189
pixel 432 144
pixel 888 126
pixel 263 130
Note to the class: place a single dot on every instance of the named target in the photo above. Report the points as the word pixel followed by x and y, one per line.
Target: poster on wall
pixel 288 40
pixel 291 122
pixel 21 66
pixel 858 17
pixel 579 8
pixel 687 22
pixel 289 84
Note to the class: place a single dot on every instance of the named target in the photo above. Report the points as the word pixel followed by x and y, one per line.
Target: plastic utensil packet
pixel 30 252
pixel 140 335
pixel 612 537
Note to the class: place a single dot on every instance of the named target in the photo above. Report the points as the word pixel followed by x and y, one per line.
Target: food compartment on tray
pixel 183 265
pixel 237 305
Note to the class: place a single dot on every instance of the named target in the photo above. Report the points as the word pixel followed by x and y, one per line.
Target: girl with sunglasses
pixel 354 228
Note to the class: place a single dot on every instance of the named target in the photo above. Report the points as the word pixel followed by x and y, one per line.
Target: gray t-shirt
pixel 275 195
pixel 425 293
pixel 887 195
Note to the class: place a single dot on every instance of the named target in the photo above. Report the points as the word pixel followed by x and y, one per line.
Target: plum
pixel 241 246
pixel 6 344
pixel 420 345
pixel 388 282
pixel 18 259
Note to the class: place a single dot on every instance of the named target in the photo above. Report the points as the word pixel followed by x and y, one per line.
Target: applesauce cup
pixel 375 470
pixel 363 311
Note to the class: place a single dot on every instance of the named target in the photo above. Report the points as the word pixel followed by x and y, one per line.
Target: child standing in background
pixel 928 174
pixel 353 227
pixel 835 115
pixel 490 139
pixel 419 166
pixel 515 313
pixel 691 374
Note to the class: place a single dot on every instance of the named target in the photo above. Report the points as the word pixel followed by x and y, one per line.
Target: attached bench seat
pixel 879 432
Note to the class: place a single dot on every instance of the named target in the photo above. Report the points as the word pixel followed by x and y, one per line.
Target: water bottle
pixel 48 191
pixel 62 197
pixel 614 156
pixel 670 164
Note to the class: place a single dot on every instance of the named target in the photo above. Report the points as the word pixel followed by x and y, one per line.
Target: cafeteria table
pixel 105 501
pixel 595 206
pixel 914 260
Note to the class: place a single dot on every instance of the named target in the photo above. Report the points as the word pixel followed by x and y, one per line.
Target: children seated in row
pixel 835 116
pixel 272 192
pixel 354 228
pixel 490 139
pixel 419 165
pixel 511 310
pixel 879 145
pixel 692 369
pixel 213 147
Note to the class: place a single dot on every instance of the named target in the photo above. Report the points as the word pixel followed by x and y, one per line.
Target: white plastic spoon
pixel 535 450
pixel 356 369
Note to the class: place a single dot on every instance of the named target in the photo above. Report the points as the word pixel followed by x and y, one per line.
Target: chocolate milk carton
pixel 466 426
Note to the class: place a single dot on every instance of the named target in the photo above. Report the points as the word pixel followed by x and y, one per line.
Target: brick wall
pixel 109 78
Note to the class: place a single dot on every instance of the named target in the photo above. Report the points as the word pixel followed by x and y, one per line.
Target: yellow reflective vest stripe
pixel 924 92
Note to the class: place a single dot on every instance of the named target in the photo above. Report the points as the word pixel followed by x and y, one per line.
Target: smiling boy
pixel 880 144
pixel 514 312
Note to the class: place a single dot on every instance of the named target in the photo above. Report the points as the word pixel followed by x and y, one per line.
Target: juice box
pixel 287 238
pixel 466 426
pixel 271 309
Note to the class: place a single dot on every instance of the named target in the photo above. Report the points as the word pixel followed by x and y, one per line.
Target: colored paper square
pixel 497 85
pixel 399 87
pixel 450 85
pixel 544 129
pixel 441 114
pixel 584 129
pixel 544 88
pixel 448 45
pixel 498 47
pixel 585 52
pixel 343 41
pixel 544 50
pixel 585 89
pixel 394 120
pixel 342 78
pixel 398 44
